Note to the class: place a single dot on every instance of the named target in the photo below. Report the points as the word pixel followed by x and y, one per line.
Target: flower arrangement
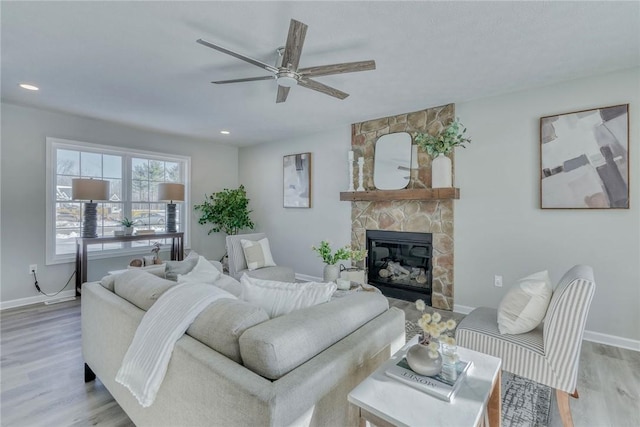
pixel 328 257
pixel 433 329
pixel 445 141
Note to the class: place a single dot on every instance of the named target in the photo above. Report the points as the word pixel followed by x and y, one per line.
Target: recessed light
pixel 225 132
pixel 28 86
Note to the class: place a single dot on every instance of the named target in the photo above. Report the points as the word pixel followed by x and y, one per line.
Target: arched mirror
pixel 392 161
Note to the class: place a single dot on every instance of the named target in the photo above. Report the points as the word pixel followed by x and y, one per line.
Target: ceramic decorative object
pixel 330 273
pixel 128 231
pixel 350 164
pixel 421 363
pixel 360 174
pixel 441 172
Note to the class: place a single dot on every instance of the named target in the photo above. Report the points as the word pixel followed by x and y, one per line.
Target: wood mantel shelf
pixel 406 194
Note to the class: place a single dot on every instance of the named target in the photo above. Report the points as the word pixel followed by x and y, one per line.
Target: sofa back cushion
pixel 220 325
pixel 140 288
pixel 274 348
pixel 280 298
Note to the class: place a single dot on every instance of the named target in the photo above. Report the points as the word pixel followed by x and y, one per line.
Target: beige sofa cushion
pixel 140 288
pixel 274 348
pixel 220 325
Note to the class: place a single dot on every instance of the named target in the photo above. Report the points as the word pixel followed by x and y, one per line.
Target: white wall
pixel 292 231
pixel 499 227
pixel 213 167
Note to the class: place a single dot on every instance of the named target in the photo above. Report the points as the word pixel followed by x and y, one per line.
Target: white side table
pixel 386 402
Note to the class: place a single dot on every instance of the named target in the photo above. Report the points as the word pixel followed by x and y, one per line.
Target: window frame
pixel 53 144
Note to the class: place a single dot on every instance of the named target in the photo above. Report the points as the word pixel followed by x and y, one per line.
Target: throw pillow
pixel 257 253
pixel 203 272
pixel 155 269
pixel 280 298
pixel 523 308
pixel 174 268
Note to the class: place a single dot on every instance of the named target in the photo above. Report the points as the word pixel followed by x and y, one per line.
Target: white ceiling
pixel 138 62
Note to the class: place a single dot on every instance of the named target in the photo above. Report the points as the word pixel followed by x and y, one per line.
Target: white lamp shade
pixel 168 192
pixel 89 189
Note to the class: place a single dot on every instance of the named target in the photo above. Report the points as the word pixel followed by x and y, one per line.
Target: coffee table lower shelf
pixel 383 401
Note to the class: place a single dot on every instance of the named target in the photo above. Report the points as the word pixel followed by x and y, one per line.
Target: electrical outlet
pixel 33 268
pixel 497 281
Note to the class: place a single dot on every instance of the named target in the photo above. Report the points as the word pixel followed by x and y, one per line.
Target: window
pixel 133 191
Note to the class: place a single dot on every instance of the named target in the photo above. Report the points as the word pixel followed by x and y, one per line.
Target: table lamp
pixel 169 192
pixel 89 190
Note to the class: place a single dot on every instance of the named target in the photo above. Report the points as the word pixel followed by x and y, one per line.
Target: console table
pixel 177 250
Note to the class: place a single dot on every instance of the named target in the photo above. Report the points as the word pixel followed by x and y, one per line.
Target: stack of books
pixel 437 385
pixel 144 232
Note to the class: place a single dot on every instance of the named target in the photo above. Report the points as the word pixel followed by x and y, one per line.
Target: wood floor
pixel 42 384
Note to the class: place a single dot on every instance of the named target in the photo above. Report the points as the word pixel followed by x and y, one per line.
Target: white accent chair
pixel 238 263
pixel 548 354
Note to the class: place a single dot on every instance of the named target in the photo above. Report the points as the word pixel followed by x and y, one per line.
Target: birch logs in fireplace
pixel 395 271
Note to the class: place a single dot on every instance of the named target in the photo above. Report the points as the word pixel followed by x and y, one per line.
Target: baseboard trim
pixel 613 340
pixel 35 300
pixel 598 337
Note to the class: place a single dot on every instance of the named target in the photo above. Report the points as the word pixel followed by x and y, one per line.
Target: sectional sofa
pixel 237 367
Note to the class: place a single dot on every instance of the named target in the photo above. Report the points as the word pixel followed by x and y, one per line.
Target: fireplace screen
pixel 399 263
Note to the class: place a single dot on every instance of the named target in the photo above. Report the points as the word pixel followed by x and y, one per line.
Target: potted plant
pixel 438 147
pixel 228 211
pixel 331 270
pixel 128 226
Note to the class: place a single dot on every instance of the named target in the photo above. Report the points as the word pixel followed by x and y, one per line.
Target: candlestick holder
pixel 351 176
pixel 360 174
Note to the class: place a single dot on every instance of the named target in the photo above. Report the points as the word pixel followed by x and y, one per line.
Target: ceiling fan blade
pixel 238 55
pixel 293 48
pixel 346 67
pixel 248 79
pixel 317 86
pixel 283 92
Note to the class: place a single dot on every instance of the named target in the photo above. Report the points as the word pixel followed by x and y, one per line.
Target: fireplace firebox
pixel 399 264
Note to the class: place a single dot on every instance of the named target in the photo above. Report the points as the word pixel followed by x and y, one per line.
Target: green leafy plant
pixel 126 222
pixel 228 211
pixel 443 143
pixel 345 253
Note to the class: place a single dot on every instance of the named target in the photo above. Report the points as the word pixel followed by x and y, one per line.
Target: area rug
pixel 525 403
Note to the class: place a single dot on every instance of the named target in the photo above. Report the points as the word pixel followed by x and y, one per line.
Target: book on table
pixel 437 385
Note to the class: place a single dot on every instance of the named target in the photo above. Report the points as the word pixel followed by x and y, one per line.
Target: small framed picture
pixel 297 180
pixel 584 159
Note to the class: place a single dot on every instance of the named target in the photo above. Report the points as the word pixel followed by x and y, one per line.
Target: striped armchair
pixel 238 264
pixel 550 353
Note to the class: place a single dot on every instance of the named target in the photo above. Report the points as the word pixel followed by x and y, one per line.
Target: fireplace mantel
pixel 406 194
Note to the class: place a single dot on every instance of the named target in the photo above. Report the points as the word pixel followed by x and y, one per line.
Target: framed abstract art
pixel 297 180
pixel 584 159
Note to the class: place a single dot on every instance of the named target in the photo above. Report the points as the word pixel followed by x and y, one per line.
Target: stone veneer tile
pixel 420 216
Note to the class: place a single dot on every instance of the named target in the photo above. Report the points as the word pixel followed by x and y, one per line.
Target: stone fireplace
pixel 419 216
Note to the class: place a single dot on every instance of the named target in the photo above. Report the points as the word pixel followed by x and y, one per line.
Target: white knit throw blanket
pixel 145 363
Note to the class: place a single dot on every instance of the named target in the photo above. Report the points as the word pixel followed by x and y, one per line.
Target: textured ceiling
pixel 138 63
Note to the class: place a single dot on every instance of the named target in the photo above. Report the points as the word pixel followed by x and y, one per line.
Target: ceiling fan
pixel 286 72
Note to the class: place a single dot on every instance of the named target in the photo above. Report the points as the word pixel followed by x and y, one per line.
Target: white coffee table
pixel 386 402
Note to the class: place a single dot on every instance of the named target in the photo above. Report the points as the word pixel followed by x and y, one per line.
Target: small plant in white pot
pixel 331 270
pixel 128 226
pixel 438 147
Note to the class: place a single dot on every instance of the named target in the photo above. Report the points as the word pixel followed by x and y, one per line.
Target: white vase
pixel 421 363
pixel 441 172
pixel 330 273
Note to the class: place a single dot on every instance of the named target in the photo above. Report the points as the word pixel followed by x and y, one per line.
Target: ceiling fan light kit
pixel 287 74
